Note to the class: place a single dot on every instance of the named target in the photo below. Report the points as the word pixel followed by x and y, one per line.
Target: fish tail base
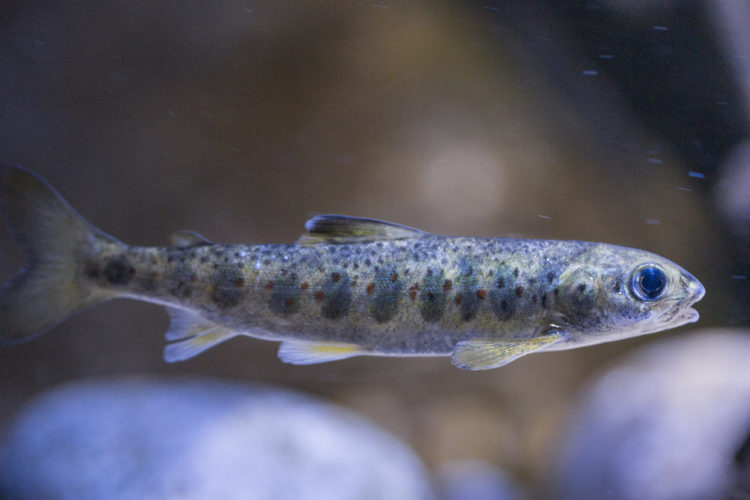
pixel 54 241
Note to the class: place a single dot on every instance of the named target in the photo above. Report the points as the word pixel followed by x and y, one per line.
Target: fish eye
pixel 649 282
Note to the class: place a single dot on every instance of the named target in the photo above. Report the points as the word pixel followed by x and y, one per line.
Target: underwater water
pixel 611 121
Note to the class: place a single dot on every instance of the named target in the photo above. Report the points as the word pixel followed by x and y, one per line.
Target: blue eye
pixel 649 282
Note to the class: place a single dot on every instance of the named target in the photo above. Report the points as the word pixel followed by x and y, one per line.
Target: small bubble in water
pixel 697 175
pixel 653 222
pixel 590 72
pixel 739 277
pixel 655 161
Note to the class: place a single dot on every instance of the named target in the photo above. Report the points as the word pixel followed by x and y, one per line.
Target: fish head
pixel 610 293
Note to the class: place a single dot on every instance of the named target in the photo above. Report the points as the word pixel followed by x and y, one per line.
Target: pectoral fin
pixel 483 354
pixel 193 334
pixel 309 353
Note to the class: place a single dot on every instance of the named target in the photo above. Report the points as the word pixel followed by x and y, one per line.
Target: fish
pixel 348 287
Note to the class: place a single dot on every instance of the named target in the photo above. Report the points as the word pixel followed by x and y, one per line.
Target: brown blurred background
pixel 609 121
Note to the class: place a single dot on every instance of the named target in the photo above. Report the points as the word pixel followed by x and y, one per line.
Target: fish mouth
pixel 681 313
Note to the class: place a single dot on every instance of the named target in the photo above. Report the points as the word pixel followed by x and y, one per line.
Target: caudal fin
pixel 54 241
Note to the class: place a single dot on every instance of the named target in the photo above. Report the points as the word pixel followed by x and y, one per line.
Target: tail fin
pixel 54 240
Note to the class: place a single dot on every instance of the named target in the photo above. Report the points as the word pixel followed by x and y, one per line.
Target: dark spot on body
pixel 320 295
pixel 515 272
pixel 304 285
pixel 556 292
pixel 519 291
pixel 283 299
pixel 447 285
pixel 394 276
pixel 119 271
pixel 534 298
pixel 432 296
pixel 550 277
pixel 502 298
pixel 468 285
pixel 269 285
pixel 227 288
pixel 370 288
pixel 544 300
pixel 617 287
pixel 387 293
pixel 582 287
pixel 178 281
pixel 481 294
pixel 338 296
pixel 458 299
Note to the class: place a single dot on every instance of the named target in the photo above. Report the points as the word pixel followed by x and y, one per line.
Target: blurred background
pixel 615 121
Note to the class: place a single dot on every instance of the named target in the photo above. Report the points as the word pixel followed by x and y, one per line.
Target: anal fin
pixel 484 354
pixel 193 335
pixel 297 352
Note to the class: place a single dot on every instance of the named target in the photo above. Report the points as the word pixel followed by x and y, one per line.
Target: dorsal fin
pixel 187 239
pixel 345 229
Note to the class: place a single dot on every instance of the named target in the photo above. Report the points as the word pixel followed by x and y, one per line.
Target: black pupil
pixel 652 282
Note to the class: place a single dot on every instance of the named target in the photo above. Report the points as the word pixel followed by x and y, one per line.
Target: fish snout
pixel 694 290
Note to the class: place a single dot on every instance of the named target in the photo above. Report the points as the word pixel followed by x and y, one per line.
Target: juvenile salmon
pixel 348 287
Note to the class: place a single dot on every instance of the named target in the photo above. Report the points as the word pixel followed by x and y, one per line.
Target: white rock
pixel 665 424
pixel 141 438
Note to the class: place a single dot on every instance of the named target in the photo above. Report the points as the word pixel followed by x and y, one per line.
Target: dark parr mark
pixel 502 298
pixel 386 294
pixel 467 282
pixel 179 282
pixel 432 296
pixel 338 296
pixel 227 288
pixel 284 295
pixel 119 271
